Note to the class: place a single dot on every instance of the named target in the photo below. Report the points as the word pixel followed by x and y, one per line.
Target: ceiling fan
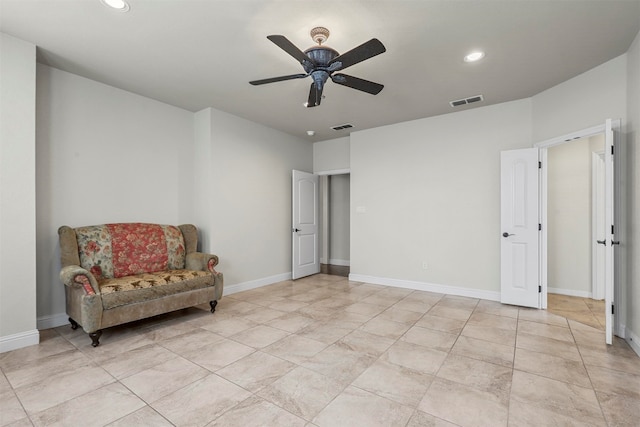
pixel 321 62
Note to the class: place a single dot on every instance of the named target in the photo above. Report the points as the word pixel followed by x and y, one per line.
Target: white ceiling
pixel 198 54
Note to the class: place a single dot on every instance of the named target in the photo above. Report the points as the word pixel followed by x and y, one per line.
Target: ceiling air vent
pixel 466 101
pixel 344 126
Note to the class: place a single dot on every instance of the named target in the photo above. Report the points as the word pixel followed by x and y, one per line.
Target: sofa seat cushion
pixel 147 286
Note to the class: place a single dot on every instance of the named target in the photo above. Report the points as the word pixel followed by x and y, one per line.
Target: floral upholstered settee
pixel 118 273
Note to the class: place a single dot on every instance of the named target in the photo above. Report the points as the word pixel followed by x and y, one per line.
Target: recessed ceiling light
pixel 474 56
pixel 119 5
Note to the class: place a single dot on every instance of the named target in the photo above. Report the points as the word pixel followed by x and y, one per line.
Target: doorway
pixel 335 204
pixel 575 222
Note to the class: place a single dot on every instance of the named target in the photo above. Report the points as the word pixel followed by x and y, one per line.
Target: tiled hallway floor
pixel 323 351
pixel 584 310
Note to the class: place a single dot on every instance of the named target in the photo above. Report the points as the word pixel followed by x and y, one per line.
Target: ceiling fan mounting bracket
pixel 319 35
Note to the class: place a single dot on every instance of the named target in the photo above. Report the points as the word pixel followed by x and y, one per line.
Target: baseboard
pixel 633 340
pixel 429 287
pixel 258 283
pixel 20 340
pixel 569 292
pixel 52 321
pixel 342 262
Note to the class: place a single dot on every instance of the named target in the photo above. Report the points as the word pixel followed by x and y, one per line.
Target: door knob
pixel 615 242
pixel 295 230
pixel 602 242
pixel 505 234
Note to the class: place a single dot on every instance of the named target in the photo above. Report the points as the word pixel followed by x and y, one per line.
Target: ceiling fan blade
pixel 277 79
pixel 357 83
pixel 283 43
pixel 358 54
pixel 315 96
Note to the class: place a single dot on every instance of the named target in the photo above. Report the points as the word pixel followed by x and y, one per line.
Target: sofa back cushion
pixel 116 250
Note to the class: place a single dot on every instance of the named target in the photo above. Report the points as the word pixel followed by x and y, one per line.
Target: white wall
pixel 243 184
pixel 103 155
pixel 633 193
pixel 569 201
pixel 339 211
pixel 430 189
pixel 17 194
pixel 331 155
pixel 581 102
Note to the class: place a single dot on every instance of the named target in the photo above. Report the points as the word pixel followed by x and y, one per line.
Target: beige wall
pixel 633 192
pixel 17 194
pixel 331 155
pixel 428 191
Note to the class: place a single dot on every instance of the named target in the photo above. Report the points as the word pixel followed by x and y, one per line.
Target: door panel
pixel 519 221
pixel 611 243
pixel 305 256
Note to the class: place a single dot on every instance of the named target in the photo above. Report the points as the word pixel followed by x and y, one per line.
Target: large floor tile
pixel 97 408
pixel 617 382
pixel 200 402
pixel 553 367
pixel 10 408
pixel 620 410
pixel 579 403
pixel 559 348
pixel 296 349
pixel 429 338
pixel 385 328
pixel 422 419
pixel 464 405
pixel 356 407
pixel 164 378
pixel 340 362
pixel 364 342
pixel 255 371
pixel 490 333
pixel 145 417
pixel 256 411
pixel 416 357
pixel 394 382
pixel 475 373
pixel 259 336
pixel 544 330
pixel 218 355
pixel 443 324
pixel 303 392
pixel 486 351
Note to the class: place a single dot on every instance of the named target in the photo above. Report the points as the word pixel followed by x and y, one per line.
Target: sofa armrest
pixel 76 276
pixel 201 261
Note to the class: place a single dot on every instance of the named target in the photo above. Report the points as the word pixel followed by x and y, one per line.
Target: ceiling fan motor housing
pixel 321 55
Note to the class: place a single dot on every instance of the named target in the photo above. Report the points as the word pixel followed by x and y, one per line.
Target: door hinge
pixel 539 227
pixel 613 309
pixel 540 288
pixel 613 230
pixel 612 150
pixel 539 165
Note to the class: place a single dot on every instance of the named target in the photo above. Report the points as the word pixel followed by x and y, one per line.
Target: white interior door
pixel 599 234
pixel 519 220
pixel 305 255
pixel 611 242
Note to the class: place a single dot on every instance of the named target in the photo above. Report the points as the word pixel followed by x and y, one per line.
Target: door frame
pixel 543 147
pixel 324 207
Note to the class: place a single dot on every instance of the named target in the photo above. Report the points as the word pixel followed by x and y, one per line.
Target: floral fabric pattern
pixel 119 250
pixel 148 280
pixel 137 248
pixel 95 250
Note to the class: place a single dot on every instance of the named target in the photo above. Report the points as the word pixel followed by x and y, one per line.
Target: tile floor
pixel 323 351
pixel 584 310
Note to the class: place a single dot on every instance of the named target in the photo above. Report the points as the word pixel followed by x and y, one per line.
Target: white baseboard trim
pixel 633 340
pixel 258 283
pixel 16 341
pixel 52 321
pixel 429 287
pixel 342 262
pixel 570 292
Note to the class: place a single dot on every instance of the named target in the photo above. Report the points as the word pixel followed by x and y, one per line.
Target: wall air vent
pixel 465 101
pixel 340 127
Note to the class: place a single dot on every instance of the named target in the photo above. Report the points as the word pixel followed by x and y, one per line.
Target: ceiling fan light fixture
pixel 119 5
pixel 319 34
pixel 474 56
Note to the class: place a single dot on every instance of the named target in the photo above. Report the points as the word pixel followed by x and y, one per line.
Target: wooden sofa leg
pixel 74 324
pixel 213 305
pixel 95 337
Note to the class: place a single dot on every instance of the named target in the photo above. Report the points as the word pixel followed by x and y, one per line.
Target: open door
pixel 519 220
pixel 304 227
pixel 612 242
